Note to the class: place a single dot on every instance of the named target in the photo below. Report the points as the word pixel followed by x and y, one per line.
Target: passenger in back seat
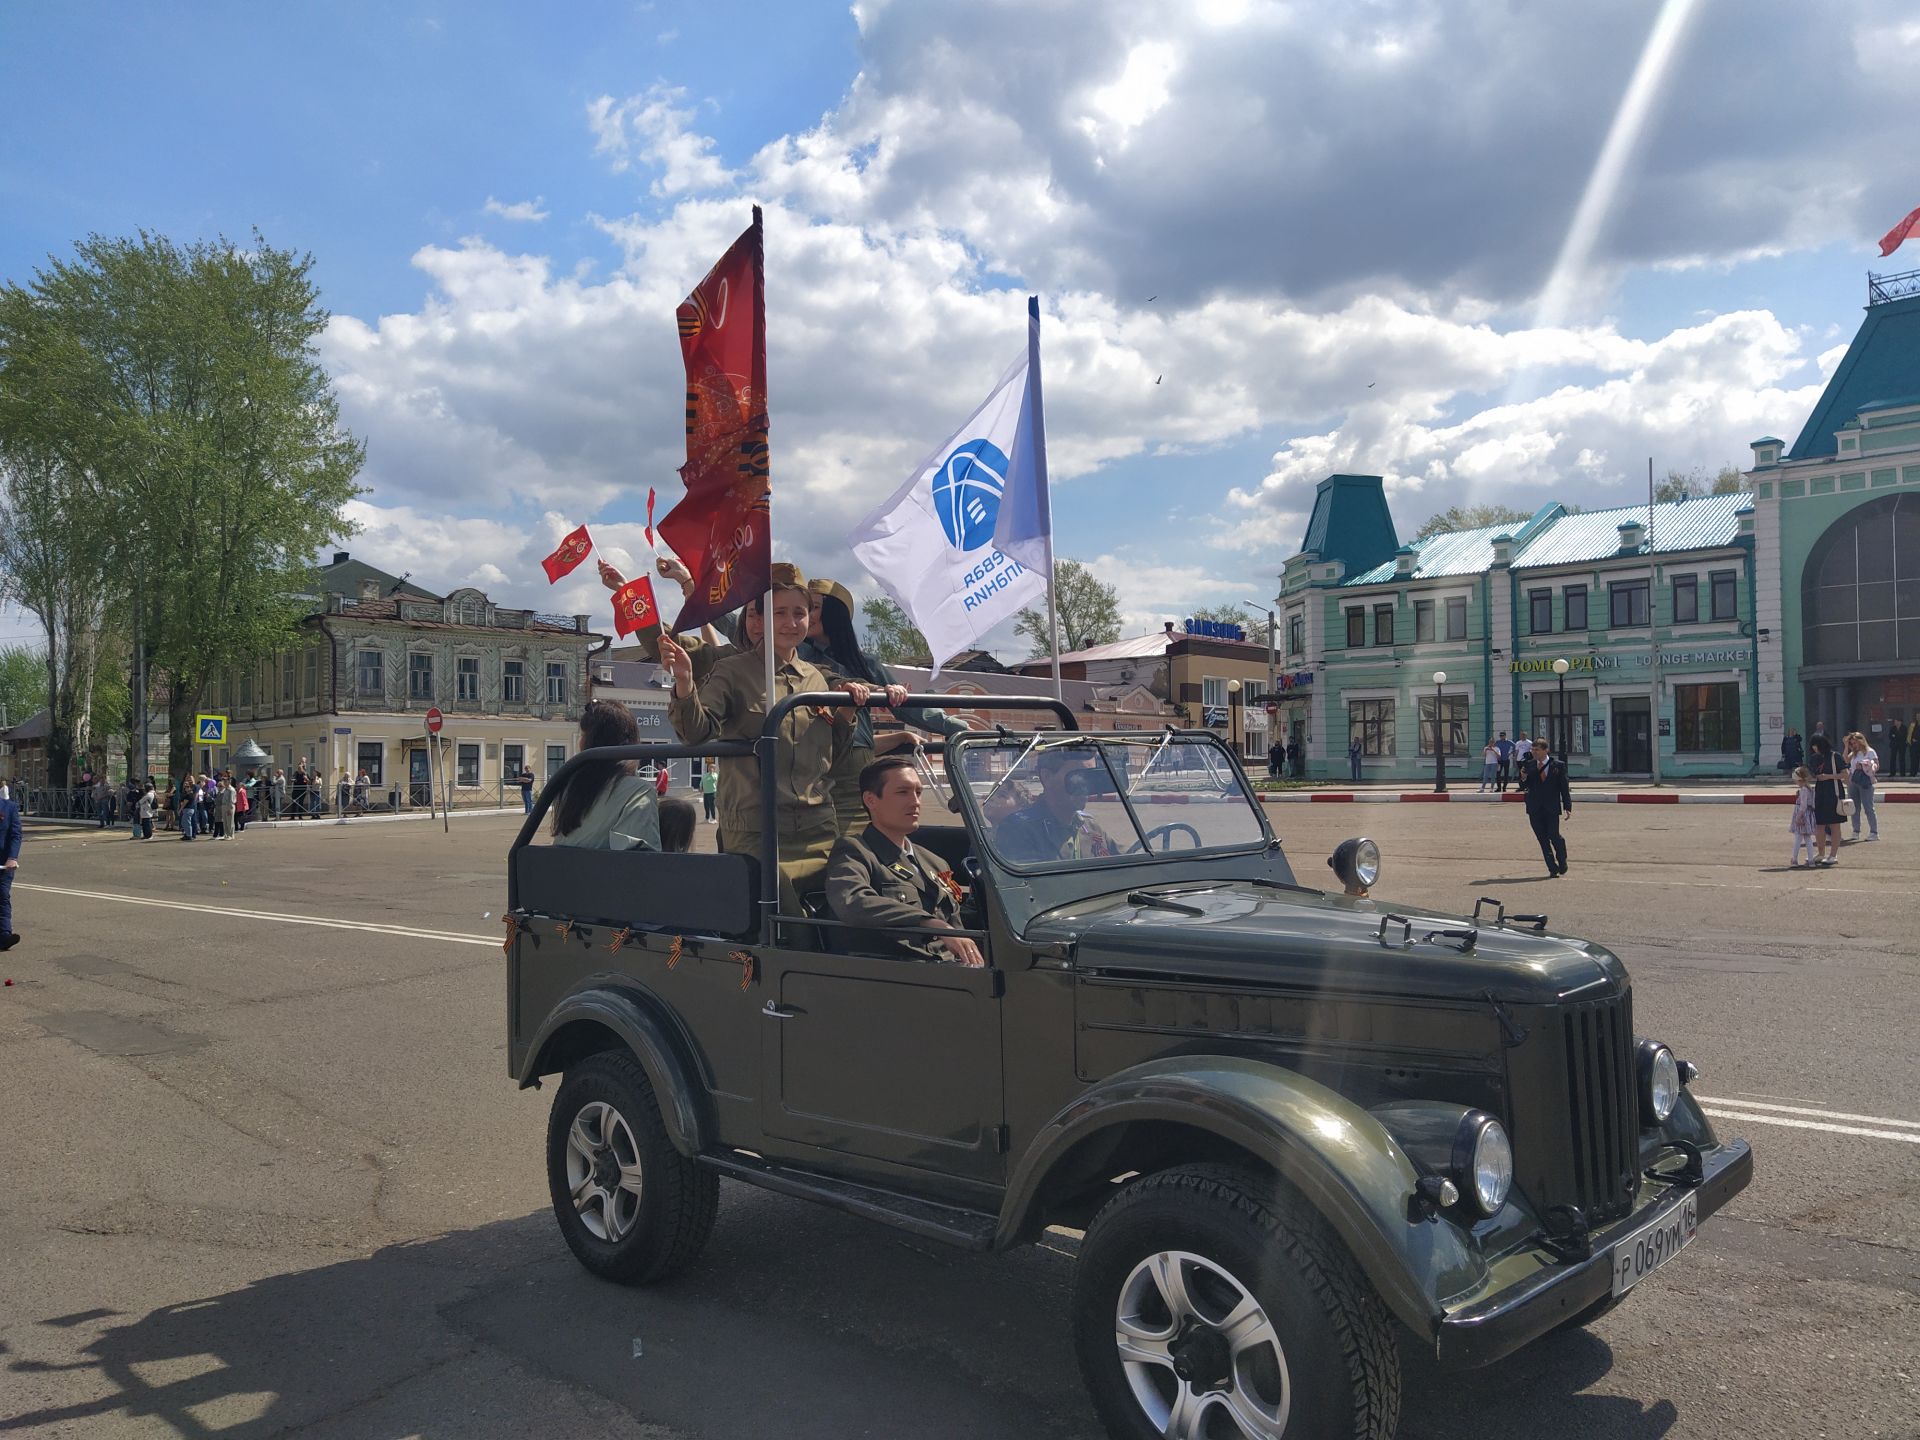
pixel 606 806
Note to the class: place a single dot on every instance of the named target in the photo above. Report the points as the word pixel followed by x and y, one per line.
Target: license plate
pixel 1639 1254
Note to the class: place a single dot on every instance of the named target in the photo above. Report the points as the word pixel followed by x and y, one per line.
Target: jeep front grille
pixel 1603 1109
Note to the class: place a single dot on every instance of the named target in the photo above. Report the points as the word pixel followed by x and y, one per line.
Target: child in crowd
pixel 1801 825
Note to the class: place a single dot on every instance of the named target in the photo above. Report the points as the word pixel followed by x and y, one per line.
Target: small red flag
pixel 633 607
pixel 650 539
pixel 562 562
pixel 1890 242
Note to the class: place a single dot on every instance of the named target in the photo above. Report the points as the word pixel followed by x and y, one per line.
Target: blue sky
pixel 1388 215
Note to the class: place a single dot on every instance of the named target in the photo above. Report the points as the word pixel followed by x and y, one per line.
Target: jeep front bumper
pixel 1489 1329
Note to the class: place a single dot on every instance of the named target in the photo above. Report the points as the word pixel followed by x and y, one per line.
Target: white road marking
pixel 1819 1114
pixel 1911 1137
pixel 408 931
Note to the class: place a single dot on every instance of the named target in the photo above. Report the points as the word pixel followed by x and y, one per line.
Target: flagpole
pixel 1039 422
pixel 766 602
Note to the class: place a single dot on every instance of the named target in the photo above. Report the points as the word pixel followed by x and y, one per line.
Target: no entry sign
pixel 435 720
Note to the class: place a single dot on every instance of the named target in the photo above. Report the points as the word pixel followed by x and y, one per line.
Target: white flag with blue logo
pixel 931 545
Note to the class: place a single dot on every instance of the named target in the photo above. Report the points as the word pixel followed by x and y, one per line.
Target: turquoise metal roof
pixel 1707 523
pixel 1883 360
pixel 1460 552
pixel 1351 522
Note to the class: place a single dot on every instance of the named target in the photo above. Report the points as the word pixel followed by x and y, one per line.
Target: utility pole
pixel 1653 628
pixel 139 766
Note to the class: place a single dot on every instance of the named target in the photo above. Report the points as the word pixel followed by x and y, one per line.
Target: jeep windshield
pixel 1065 798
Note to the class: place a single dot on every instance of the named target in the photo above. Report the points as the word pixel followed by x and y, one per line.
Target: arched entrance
pixel 1860 618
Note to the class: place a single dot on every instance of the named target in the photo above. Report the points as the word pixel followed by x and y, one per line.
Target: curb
pixel 1513 797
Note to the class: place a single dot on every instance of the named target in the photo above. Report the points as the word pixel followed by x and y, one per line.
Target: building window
pixel 246 688
pixel 1452 710
pixel 1575 602
pixel 513 682
pixel 1457 619
pixel 1547 718
pixel 373 756
pixel 513 759
pixel 556 682
pixel 1706 718
pixel 419 677
pixel 1356 628
pixel 1726 600
pixel 1213 692
pixel 370 674
pixel 467 765
pixel 1627 604
pixel 1371 723
pixel 467 678
pixel 1296 634
pixel 1686 599
pixel 556 757
pixel 1540 611
pixel 1422 621
pixel 311 688
pixel 286 678
pixel 1383 624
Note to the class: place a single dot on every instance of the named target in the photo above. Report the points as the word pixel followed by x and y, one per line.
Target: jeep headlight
pixel 1483 1161
pixel 1357 863
pixel 1659 1082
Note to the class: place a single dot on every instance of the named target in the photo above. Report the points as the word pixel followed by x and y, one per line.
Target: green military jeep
pixel 1298 1128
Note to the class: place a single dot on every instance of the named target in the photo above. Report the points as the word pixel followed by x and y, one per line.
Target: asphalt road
pixel 264 1177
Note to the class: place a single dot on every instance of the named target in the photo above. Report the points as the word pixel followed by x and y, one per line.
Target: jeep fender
pixel 1340 1158
pixel 628 1014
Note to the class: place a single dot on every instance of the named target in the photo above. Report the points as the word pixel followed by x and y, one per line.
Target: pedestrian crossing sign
pixel 212 729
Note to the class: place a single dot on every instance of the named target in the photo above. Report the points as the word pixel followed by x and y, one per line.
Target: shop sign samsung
pixel 1215 630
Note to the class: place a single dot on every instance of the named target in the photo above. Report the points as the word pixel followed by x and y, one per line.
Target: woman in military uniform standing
pixel 731 704
pixel 833 645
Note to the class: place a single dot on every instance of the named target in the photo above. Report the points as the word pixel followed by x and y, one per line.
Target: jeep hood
pixel 1297 939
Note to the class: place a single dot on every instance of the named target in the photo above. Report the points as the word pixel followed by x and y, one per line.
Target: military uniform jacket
pixel 731 704
pixel 871 881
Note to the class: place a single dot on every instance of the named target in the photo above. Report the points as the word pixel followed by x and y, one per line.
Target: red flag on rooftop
pixel 633 607
pixel 562 562
pixel 1890 242
pixel 720 529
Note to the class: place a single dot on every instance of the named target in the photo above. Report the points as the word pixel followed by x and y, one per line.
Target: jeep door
pixel 891 1060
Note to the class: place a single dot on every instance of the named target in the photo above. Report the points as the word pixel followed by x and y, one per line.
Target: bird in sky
pixel 1152 298
pixel 1156 379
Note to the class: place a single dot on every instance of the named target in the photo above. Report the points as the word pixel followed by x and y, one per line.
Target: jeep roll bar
pixel 761 749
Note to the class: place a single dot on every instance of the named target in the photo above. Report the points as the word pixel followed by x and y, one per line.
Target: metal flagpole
pixel 1038 420
pixel 1653 628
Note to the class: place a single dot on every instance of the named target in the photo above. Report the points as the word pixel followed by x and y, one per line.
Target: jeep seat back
pixel 700 894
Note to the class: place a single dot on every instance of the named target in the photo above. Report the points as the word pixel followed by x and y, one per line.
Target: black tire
pixel 1335 1339
pixel 664 1227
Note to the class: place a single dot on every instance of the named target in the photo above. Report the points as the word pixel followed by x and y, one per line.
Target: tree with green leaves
pixel 1471 517
pixel 1696 483
pixel 179 388
pixel 1089 612
pixel 23 683
pixel 891 636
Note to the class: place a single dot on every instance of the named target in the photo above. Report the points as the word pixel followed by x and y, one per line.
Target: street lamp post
pixel 1233 705
pixel 1439 735
pixel 1560 668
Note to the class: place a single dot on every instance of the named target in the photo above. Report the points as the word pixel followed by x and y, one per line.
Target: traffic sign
pixel 212 729
pixel 435 720
pixel 1273 707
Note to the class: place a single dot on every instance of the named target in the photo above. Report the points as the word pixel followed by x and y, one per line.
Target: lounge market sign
pixel 1734 655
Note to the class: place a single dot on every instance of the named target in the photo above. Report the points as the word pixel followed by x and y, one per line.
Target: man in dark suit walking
pixel 10 855
pixel 1543 779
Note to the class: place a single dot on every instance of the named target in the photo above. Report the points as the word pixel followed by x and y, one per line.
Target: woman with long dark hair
pixel 606 806
pixel 834 644
pixel 1828 786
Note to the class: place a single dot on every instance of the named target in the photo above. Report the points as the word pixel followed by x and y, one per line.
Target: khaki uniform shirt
pixel 872 881
pixel 730 704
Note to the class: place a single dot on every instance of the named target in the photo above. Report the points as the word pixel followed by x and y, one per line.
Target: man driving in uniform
pixel 1054 827
pixel 881 878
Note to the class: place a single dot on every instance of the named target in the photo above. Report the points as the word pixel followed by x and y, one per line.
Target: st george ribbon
pixel 967 541
pixel 721 528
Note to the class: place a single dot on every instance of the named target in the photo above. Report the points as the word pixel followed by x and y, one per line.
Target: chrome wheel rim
pixel 603 1171
pixel 1199 1353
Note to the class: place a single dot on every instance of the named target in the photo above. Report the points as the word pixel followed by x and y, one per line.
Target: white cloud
pixel 651 129
pixel 528 210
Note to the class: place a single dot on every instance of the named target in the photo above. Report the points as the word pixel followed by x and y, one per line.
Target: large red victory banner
pixel 721 528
